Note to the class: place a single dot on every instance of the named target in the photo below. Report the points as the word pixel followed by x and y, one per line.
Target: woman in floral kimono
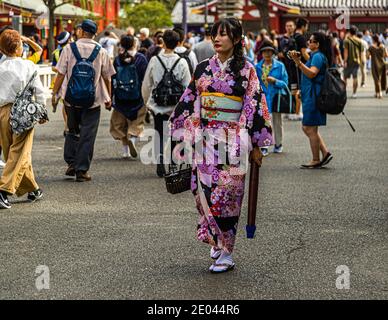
pixel 223 100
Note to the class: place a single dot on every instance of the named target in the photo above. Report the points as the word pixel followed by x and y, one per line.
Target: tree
pixel 52 5
pixel 150 14
pixel 263 7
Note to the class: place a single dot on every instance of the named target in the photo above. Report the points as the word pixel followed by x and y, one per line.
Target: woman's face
pixel 267 54
pixel 19 50
pixel 222 42
pixel 313 44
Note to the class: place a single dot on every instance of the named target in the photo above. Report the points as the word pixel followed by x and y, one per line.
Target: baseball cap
pixel 89 26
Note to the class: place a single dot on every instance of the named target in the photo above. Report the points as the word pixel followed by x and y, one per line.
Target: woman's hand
pixel 295 56
pixel 256 156
pixel 271 80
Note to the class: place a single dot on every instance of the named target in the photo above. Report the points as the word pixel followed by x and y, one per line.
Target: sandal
pixel 223 267
pixel 327 159
pixel 311 166
pixel 215 253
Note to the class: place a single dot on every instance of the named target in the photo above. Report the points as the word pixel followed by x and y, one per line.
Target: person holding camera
pixel 313 73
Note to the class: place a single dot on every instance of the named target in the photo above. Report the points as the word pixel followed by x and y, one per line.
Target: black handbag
pixel 284 103
pixel 178 177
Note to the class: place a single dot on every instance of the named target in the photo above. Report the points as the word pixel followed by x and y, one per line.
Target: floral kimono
pixel 225 105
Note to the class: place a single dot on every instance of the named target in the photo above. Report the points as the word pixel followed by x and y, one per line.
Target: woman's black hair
pixel 233 28
pixel 324 44
pixel 127 42
pixel 171 39
pixel 376 39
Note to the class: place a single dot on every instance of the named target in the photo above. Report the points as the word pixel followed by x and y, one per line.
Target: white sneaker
pixel 126 154
pixel 2 164
pixel 354 96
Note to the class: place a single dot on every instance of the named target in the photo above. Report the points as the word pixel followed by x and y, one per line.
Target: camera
pixel 297 52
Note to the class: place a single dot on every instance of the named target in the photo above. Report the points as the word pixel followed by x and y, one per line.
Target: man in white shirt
pixel 153 76
pixel 109 42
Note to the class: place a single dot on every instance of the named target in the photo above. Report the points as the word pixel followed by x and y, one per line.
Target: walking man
pixel 84 82
pixel 353 58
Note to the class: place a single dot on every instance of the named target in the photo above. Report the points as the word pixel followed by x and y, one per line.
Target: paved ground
pixel 123 237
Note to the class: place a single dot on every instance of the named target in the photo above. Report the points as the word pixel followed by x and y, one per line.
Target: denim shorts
pixel 351 71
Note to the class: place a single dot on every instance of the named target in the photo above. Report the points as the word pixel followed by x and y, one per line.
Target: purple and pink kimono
pixel 228 108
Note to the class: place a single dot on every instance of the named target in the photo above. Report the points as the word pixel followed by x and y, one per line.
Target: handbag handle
pixel 30 82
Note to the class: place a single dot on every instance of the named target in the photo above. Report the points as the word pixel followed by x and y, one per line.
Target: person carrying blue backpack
pixel 84 82
pixel 129 111
pixel 274 81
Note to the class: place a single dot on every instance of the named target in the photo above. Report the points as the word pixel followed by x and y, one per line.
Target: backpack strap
pixel 161 62
pixel 95 53
pixel 75 50
pixel 175 64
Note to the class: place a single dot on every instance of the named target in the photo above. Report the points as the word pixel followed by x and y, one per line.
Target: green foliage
pixel 151 14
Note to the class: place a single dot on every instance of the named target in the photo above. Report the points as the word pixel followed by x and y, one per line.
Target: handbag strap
pixel 290 98
pixel 29 83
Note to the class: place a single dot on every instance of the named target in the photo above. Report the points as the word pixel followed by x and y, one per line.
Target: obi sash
pixel 220 107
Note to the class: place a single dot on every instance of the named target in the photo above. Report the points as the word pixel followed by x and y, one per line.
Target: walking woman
pixel 378 53
pixel 313 73
pixel 18 176
pixel 223 100
pixel 274 80
pixel 129 111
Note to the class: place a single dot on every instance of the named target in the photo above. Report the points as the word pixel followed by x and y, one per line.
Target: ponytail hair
pixel 233 28
pixel 324 45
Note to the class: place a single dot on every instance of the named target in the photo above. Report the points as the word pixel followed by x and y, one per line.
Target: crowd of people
pixel 228 84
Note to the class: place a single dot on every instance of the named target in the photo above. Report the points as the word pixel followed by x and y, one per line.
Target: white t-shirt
pixel 14 76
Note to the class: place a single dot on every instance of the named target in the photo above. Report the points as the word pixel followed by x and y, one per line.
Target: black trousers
pixel 160 123
pixel 79 142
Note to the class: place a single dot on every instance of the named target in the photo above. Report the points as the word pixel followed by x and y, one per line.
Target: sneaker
pixel 265 151
pixel 132 147
pixel 278 149
pixel 126 154
pixel 4 203
pixel 363 85
pixel 35 195
pixel 354 96
pixel 2 164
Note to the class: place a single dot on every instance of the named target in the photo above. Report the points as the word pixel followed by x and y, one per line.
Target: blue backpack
pixel 81 91
pixel 126 85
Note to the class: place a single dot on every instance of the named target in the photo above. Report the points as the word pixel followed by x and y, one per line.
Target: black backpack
pixel 186 55
pixel 126 84
pixel 332 98
pixel 169 90
pixel 81 91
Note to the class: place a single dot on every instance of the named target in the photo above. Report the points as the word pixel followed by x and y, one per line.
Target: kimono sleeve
pixel 256 110
pixel 183 120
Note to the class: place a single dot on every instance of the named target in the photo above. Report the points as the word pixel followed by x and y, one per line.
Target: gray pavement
pixel 122 236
